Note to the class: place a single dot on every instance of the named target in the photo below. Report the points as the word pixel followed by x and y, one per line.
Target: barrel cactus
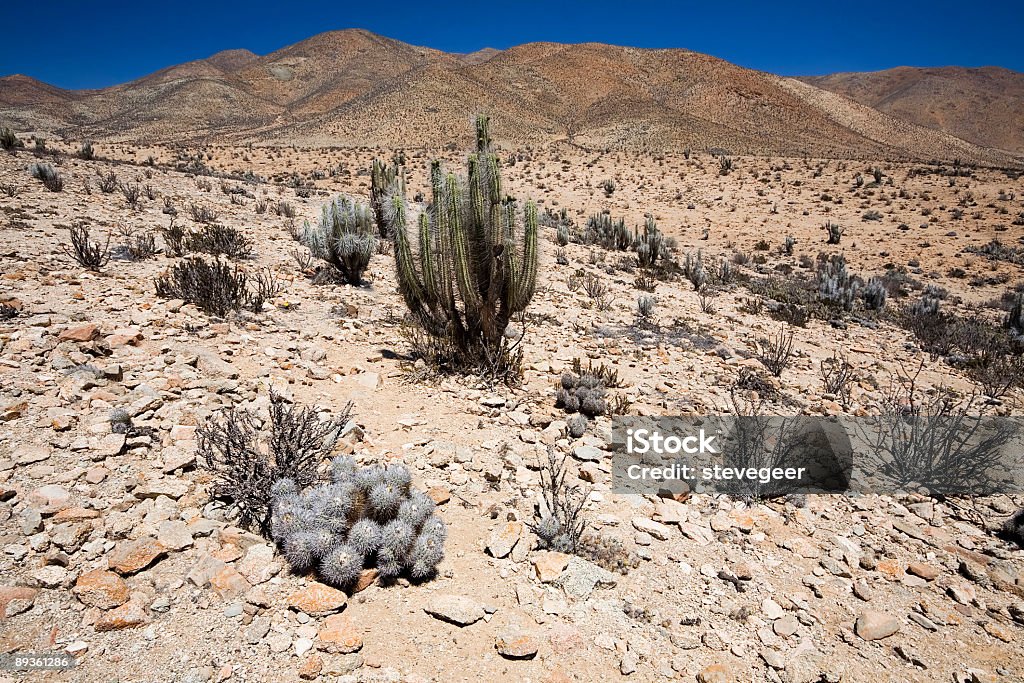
pixel 343 236
pixel 363 517
pixel 476 261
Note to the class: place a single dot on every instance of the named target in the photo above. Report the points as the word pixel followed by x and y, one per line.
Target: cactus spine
pixel 475 265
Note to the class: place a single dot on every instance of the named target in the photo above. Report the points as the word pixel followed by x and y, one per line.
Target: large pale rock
pixel 873 625
pixel 455 609
pixel 317 599
pixel 101 588
pixel 129 557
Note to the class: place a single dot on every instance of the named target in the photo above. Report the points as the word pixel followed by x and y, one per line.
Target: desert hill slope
pixel 984 106
pixel 355 88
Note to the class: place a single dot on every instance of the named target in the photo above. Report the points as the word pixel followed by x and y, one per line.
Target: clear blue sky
pixel 78 44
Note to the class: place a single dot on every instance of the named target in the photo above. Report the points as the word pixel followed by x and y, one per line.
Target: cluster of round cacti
pixel 582 393
pixel 364 517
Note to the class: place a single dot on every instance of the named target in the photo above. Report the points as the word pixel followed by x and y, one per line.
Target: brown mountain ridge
pixel 355 88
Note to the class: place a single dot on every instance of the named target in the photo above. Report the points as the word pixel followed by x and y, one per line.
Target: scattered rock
pixel 456 609
pixel 871 625
pixel 317 599
pixel 101 588
pixel 129 557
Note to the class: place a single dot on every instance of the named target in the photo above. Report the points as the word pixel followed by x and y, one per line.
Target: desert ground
pixel 113 551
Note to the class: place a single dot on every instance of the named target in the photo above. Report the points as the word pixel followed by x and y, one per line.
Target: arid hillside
pixel 984 106
pixel 353 88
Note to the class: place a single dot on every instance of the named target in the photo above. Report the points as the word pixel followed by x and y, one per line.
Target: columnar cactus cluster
pixel 385 180
pixel 649 245
pixel 343 236
pixel 476 263
pixel 835 286
pixel 364 517
pixel 604 231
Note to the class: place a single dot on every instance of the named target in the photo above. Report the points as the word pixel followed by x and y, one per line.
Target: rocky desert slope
pixel 111 549
pixel 354 88
pixel 949 99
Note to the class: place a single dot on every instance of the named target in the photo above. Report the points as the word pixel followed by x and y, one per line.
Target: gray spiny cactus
pixel 363 517
pixel 835 287
pixel 875 295
pixel 649 245
pixel 604 231
pixel 343 236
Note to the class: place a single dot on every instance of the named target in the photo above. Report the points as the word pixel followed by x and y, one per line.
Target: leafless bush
pixel 107 183
pixel 937 441
pixel 776 353
pixel 219 240
pixel 559 522
pixel 84 251
pixel 263 286
pixel 132 194
pixel 213 286
pixel 297 439
pixel 838 376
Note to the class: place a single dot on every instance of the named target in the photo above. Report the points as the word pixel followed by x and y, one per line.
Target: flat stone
pixel 75 514
pixel 587 453
pixel 166 486
pixel 785 626
pixel 109 446
pixel 129 557
pixel 311 668
pixel 715 673
pixel 504 538
pixel 549 565
pixel 26 455
pixel 317 599
pixel 455 609
pixel 49 499
pixel 229 584
pixel 925 571
pixel 80 333
pixel 15 600
pixel 655 529
pixel 205 569
pixel 871 625
pixel 339 634
pixel 258 565
pixel 514 643
pixel 581 577
pixel 129 615
pixel 174 535
pixel 101 588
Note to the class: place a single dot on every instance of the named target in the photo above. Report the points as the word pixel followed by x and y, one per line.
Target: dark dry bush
pixel 297 441
pixel 213 286
pixel 174 239
pixel 142 247
pixel 7 311
pixel 263 287
pixel 838 376
pixel 221 240
pixel 84 251
pixel 749 379
pixel 776 353
pixel 202 214
pixel 107 183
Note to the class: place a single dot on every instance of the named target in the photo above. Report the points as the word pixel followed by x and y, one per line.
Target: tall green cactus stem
pixel 477 255
pixel 385 179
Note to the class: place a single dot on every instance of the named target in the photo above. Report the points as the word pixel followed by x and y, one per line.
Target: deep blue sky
pixel 77 44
